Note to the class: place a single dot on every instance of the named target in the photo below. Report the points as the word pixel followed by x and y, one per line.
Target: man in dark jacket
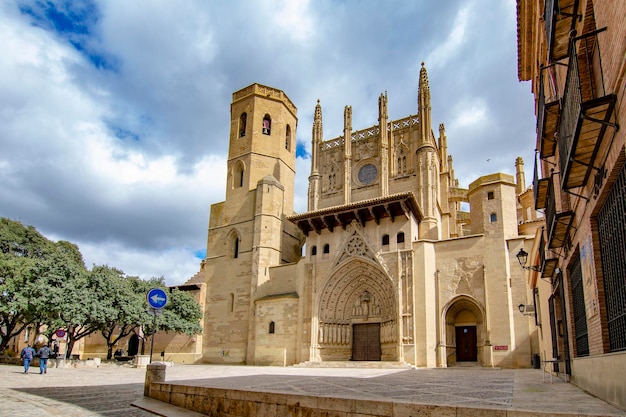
pixel 27 355
pixel 44 354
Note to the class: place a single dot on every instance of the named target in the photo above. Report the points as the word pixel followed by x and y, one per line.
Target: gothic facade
pixel 386 264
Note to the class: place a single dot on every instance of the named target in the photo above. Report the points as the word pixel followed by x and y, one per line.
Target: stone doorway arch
pixel 464 333
pixel 357 295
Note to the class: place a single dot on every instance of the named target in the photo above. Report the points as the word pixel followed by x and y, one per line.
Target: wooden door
pixel 466 350
pixel 366 342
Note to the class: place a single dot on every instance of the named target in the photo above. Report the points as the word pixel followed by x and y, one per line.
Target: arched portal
pixel 357 314
pixel 464 332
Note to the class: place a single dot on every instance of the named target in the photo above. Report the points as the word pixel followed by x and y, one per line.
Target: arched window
pixel 288 138
pixel 238 175
pixel 236 247
pixel 272 327
pixel 385 240
pixel 493 217
pixel 267 124
pixel 314 251
pixel 243 120
pixel 400 237
pixel 327 248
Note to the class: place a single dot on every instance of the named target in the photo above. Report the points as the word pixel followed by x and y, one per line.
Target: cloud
pixel 456 38
pixel 114 115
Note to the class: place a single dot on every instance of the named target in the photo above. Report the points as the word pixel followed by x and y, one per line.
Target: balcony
pixel 540 188
pixel 548 266
pixel 587 112
pixel 560 18
pixel 548 112
pixel 558 219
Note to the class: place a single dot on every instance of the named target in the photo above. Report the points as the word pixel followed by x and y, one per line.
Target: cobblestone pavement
pixel 71 392
pixel 109 390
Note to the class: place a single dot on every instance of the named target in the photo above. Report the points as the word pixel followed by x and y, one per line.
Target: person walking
pixel 44 354
pixel 27 355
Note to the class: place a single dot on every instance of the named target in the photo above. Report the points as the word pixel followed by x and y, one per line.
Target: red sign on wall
pixel 501 347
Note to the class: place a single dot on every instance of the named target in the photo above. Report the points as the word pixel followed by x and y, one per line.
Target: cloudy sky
pixel 114 114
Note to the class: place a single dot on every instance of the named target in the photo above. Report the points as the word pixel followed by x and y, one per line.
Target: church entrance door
pixel 466 344
pixel 366 342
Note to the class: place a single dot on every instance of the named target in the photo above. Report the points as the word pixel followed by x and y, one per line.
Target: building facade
pixel 574 52
pixel 386 264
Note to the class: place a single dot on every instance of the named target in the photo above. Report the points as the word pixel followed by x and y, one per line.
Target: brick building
pixel 574 52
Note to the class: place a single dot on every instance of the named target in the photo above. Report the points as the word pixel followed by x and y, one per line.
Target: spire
pixel 423 85
pixel 423 106
pixel 521 177
pixel 347 154
pixel 317 123
pixel 443 148
pixel 384 144
pixel 316 139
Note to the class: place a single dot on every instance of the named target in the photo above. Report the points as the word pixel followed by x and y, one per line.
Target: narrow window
pixel 314 251
pixel 243 120
pixel 238 175
pixel 327 248
pixel 236 247
pixel 272 327
pixel 493 217
pixel 490 195
pixel 400 237
pixel 231 302
pixel 267 124
pixel 288 138
pixel 385 240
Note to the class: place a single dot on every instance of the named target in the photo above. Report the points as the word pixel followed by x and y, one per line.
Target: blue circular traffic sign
pixel 157 298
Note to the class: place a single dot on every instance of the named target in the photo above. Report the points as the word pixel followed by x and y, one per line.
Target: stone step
pixel 355 364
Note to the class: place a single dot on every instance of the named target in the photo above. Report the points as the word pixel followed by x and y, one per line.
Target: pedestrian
pixel 44 354
pixel 27 355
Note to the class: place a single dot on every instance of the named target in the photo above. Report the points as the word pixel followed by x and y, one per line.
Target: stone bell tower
pixel 247 231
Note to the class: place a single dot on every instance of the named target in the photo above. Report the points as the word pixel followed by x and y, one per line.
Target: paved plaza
pixel 110 390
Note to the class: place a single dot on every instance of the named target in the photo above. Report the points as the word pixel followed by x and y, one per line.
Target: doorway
pixel 133 345
pixel 466 344
pixel 366 342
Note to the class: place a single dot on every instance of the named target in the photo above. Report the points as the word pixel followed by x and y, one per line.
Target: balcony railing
pixel 560 19
pixel 548 265
pixel 558 220
pixel 587 112
pixel 548 112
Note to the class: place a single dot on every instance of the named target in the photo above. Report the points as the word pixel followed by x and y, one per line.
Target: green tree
pixel 125 302
pixel 24 252
pixel 66 297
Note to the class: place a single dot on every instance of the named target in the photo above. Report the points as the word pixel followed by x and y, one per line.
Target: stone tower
pixel 247 232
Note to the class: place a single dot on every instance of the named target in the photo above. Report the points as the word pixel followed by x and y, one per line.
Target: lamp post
pixel 522 257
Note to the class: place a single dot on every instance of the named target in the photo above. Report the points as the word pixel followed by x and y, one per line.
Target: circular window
pixel 367 174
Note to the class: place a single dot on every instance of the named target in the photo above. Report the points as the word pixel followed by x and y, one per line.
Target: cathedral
pixel 392 261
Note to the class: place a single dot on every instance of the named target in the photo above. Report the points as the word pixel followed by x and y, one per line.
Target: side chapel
pixel 395 268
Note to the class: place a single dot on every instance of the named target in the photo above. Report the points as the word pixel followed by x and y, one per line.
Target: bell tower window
pixel 288 138
pixel 267 124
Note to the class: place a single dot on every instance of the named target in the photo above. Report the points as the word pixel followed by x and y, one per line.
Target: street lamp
pixel 522 257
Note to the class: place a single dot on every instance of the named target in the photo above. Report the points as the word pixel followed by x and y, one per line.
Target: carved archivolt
pixel 358 290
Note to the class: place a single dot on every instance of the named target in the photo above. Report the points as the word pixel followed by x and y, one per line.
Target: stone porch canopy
pixel 402 204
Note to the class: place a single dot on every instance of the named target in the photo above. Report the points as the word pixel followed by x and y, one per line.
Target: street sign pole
pixel 157 299
pixel 153 332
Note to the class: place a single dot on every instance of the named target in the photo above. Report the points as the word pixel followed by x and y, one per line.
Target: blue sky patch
pixel 122 133
pixel 301 151
pixel 74 21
